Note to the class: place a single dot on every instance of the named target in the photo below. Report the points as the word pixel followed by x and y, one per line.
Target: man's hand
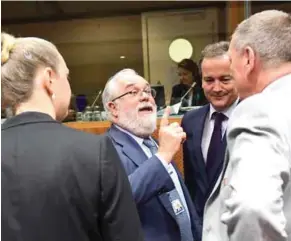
pixel 170 137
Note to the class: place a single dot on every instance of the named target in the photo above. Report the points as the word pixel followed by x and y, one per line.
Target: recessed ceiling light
pixel 122 57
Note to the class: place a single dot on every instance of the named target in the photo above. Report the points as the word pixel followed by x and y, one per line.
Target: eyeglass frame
pixel 152 92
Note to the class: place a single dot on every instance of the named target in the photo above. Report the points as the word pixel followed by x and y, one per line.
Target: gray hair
pixel 110 89
pixel 268 33
pixel 215 49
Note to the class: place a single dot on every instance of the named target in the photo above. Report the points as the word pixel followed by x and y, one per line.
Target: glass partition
pixel 151 38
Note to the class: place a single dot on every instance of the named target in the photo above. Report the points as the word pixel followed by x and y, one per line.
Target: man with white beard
pixel 163 202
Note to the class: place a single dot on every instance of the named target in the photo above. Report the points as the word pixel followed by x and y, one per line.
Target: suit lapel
pixel 130 147
pixel 218 183
pixel 165 201
pixel 133 151
pixel 192 211
pixel 221 165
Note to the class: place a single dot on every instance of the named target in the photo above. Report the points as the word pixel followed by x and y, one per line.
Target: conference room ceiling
pixel 38 11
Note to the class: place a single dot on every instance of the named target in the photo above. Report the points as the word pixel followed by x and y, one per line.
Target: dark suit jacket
pixel 196 179
pixel 180 89
pixel 150 183
pixel 59 184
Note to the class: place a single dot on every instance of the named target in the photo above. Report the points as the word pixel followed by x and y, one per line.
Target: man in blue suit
pixel 163 202
pixel 205 127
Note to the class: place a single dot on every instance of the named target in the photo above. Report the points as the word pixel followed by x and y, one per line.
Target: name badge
pixel 177 206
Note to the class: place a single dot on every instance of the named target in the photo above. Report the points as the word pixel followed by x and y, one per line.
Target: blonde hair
pixel 20 60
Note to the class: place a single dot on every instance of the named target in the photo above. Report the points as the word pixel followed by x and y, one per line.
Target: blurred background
pixel 97 39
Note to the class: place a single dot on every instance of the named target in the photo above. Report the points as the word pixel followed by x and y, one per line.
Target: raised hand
pixel 170 137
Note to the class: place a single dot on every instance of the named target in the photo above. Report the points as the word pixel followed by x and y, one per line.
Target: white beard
pixel 142 127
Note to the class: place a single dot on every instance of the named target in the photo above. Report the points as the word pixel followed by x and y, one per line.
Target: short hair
pixel 268 33
pixel 110 89
pixel 20 60
pixel 215 49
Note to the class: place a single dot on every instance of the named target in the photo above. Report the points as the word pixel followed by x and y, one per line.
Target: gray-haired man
pixel 163 202
pixel 252 200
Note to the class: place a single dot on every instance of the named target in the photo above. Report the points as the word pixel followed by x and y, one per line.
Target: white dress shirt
pixel 209 126
pixel 169 167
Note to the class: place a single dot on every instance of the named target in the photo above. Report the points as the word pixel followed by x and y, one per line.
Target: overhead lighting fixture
pixel 122 57
pixel 180 49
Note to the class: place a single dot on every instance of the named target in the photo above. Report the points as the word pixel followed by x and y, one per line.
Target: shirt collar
pixel 277 82
pixel 227 112
pixel 138 139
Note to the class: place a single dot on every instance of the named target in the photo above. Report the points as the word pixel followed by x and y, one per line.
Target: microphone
pixel 191 87
pixel 97 97
pixel 176 107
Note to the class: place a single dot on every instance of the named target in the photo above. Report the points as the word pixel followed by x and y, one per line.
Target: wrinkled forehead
pixel 130 81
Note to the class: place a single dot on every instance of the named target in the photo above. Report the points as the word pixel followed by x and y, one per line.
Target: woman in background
pixel 58 184
pixel 188 72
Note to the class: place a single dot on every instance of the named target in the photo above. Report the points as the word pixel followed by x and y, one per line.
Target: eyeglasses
pixel 134 93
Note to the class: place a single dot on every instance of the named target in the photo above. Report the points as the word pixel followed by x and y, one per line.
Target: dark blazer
pixel 196 179
pixel 150 183
pixel 180 89
pixel 60 184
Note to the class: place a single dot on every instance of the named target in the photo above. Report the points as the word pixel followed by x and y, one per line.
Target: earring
pixel 53 96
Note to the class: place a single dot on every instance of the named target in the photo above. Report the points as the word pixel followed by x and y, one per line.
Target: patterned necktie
pixel 179 210
pixel 151 145
pixel 216 142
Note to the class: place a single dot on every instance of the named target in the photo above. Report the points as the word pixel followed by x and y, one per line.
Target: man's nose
pixel 216 86
pixel 144 96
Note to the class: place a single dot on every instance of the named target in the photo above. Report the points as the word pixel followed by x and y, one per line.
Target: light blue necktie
pixel 180 211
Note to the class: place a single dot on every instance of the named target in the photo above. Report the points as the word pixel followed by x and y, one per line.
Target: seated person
pixel 188 72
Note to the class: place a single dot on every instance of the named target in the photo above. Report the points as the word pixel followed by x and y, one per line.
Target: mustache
pixel 146 105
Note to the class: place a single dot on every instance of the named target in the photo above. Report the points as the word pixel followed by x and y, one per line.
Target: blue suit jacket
pixel 150 183
pixel 196 179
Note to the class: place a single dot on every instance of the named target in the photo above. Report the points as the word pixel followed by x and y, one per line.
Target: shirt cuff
pixel 165 164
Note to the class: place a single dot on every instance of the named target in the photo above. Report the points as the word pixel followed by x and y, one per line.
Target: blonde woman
pixel 57 183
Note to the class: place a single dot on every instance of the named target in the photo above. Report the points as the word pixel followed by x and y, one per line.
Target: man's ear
pixel 113 109
pixel 250 58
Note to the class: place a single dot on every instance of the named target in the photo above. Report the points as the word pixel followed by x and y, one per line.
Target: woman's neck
pixel 30 107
